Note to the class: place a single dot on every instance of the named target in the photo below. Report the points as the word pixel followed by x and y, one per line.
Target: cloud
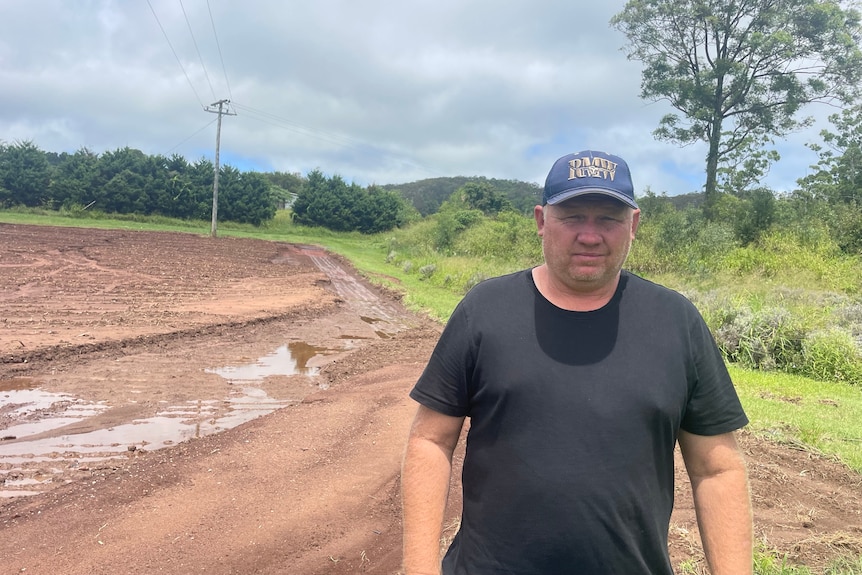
pixel 378 91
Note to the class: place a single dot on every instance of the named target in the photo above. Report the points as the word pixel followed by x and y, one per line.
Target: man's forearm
pixel 425 489
pixel 723 508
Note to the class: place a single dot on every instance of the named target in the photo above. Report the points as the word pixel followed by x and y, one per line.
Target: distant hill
pixel 681 201
pixel 427 195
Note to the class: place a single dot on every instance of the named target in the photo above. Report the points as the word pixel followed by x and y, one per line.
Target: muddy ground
pixel 171 403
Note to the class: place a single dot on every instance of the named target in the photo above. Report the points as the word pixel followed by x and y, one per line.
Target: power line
pixel 175 54
pixel 218 45
pixel 195 42
pixel 304 130
pixel 192 136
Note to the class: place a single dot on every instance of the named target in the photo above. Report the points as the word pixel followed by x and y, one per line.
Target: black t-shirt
pixel 573 421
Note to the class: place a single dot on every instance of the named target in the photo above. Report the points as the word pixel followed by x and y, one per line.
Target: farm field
pixel 172 403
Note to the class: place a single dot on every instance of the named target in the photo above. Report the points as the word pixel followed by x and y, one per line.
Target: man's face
pixel 585 240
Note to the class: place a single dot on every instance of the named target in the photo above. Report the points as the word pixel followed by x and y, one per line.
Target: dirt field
pixel 176 404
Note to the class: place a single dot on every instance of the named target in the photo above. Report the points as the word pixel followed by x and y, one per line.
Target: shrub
pixel 476 278
pixel 450 224
pixel 832 355
pixel 510 237
pixel 781 337
pixel 768 339
pixel 427 271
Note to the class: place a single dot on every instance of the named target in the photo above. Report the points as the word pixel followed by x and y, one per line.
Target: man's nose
pixel 589 233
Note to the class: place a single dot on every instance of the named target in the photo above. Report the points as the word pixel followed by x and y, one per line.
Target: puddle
pixel 21 493
pixel 17 383
pixel 29 467
pixel 372 321
pixel 40 411
pixel 289 359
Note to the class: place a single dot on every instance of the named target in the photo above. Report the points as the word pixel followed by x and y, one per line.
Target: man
pixel 579 379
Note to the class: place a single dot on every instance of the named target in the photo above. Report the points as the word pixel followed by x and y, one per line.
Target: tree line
pixel 127 181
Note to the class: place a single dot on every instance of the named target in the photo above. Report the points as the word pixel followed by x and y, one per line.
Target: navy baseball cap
pixel 589 172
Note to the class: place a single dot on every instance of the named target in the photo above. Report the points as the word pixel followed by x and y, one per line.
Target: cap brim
pixel 563 196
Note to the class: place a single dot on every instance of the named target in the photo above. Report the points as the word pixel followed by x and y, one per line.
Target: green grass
pixel 97 220
pixel 826 416
pixel 770 562
pixel 767 563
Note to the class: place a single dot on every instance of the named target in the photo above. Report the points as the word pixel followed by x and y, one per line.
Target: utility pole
pixel 221 112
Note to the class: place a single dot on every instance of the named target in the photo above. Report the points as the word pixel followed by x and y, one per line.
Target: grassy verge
pixel 770 563
pixel 824 416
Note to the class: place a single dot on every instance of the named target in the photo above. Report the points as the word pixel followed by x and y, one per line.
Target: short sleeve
pixel 713 406
pixel 443 385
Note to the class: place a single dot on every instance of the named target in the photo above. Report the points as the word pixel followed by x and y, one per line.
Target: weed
pixel 474 279
pixel 425 272
pixel 832 355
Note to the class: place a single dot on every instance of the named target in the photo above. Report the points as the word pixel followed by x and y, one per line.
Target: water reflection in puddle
pixel 41 411
pixel 289 359
pixel 16 383
pixel 374 321
pixel 28 467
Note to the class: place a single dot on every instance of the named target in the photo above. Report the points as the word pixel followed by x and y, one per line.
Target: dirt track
pixel 151 337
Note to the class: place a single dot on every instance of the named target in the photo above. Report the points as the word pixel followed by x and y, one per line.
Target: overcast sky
pixel 377 91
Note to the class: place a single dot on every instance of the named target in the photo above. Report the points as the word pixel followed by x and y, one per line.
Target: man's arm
pixel 425 477
pixel 719 482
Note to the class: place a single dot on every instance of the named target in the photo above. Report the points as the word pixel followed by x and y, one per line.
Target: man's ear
pixel 539 216
pixel 636 218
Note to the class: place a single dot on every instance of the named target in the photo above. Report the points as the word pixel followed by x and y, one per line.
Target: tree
pixel 246 198
pixel 836 182
pixel 482 196
pixel 24 174
pixel 743 168
pixel 749 213
pixel 332 204
pixel 199 194
pixel 381 210
pixel 838 176
pixel 327 202
pixel 74 178
pixel 125 194
pixel 740 70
